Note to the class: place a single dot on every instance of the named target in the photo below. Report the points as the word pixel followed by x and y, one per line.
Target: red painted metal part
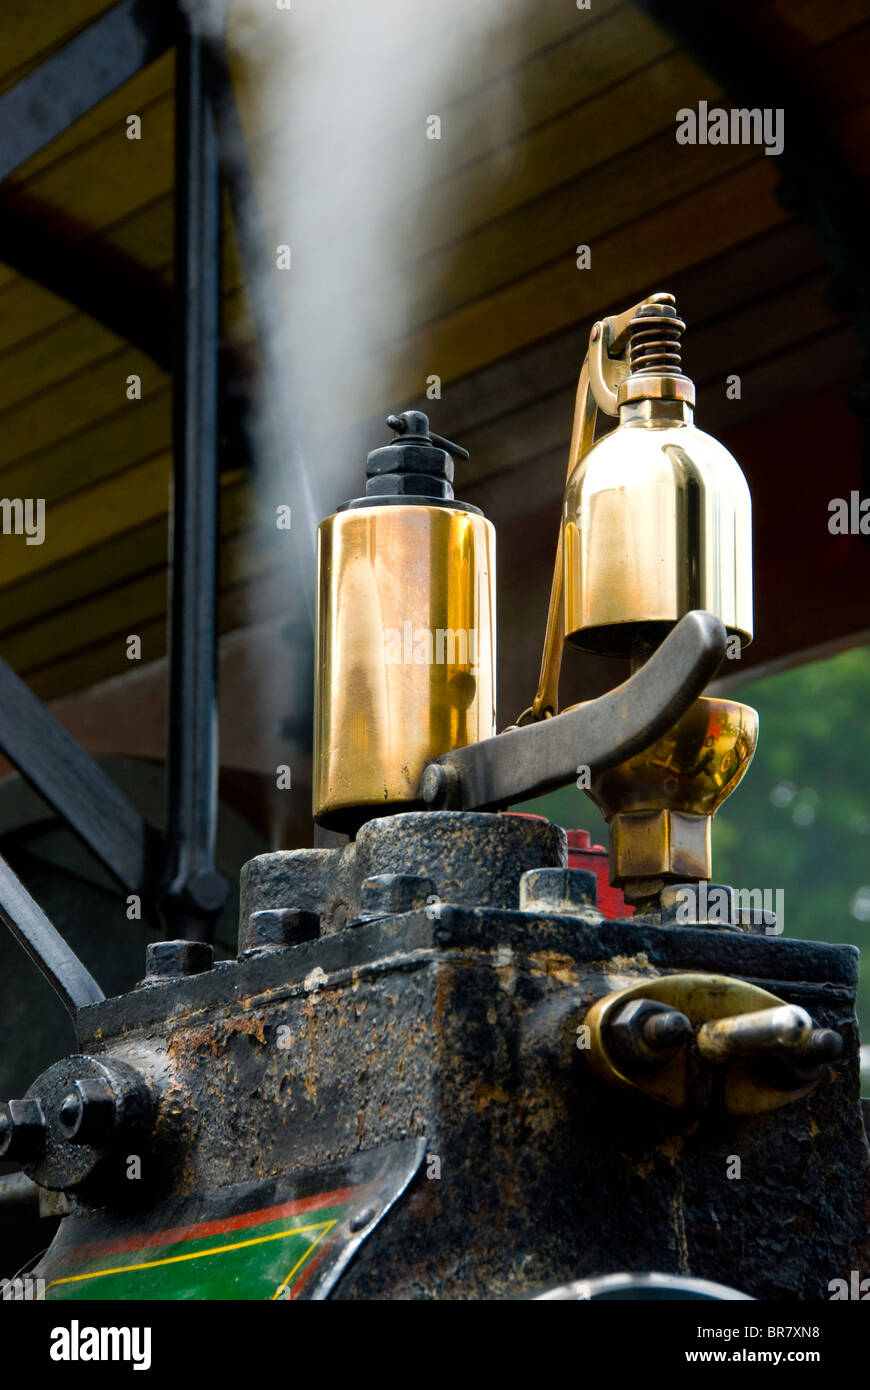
pixel 582 854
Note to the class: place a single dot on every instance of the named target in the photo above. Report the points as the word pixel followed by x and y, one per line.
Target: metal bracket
pixel 748 1051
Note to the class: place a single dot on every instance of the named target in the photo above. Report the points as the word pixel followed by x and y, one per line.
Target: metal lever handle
pixel 540 757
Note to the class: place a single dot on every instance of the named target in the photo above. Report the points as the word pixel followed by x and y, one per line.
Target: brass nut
pixel 659 844
pixel 658 388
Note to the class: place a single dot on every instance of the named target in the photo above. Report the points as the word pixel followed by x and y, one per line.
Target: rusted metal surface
pixel 471 858
pixel 457 1024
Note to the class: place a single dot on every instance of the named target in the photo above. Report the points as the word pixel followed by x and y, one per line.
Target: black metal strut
pixel 193 891
pixel 60 965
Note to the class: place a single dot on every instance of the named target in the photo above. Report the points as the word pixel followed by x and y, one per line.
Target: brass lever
pixel 605 366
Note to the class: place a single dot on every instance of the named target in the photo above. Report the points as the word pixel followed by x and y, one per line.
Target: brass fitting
pixel 660 804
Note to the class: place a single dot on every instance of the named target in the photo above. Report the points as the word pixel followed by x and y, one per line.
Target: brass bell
pixel 657 515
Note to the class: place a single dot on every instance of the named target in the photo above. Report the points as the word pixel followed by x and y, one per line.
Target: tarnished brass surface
pixel 656 521
pixel 405 652
pixel 659 803
pixel 737 1085
pixel 722 1039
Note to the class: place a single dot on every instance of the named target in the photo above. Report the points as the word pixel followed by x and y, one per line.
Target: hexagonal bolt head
pixel 385 894
pixel 275 928
pixel 88 1112
pixel 22 1130
pixel 698 904
pixel 441 786
pixel 560 893
pixel 646 1034
pixel 166 960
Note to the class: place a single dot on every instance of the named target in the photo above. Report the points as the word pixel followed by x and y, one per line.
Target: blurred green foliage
pixel 800 819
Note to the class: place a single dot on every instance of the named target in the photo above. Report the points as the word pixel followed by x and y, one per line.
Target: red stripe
pixel 310 1267
pixel 201 1229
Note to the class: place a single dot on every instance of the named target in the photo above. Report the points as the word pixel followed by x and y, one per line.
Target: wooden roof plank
pixel 125 607
pixel 109 445
pixel 119 503
pixel 76 401
pixel 153 83
pixel 107 659
pixel 111 561
pixel 733 343
pixel 750 270
pixel 686 231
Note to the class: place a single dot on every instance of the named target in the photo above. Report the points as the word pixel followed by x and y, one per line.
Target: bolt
pixel 806 1064
pixel 70 1109
pixel 22 1130
pixel 276 927
pixel 698 904
pixel 432 783
pixel 559 892
pixel 664 1031
pixel 440 786
pixel 167 960
pixel 646 1033
pixel 88 1112
pixel 362 1219
pixel 384 894
pixel 824 1045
